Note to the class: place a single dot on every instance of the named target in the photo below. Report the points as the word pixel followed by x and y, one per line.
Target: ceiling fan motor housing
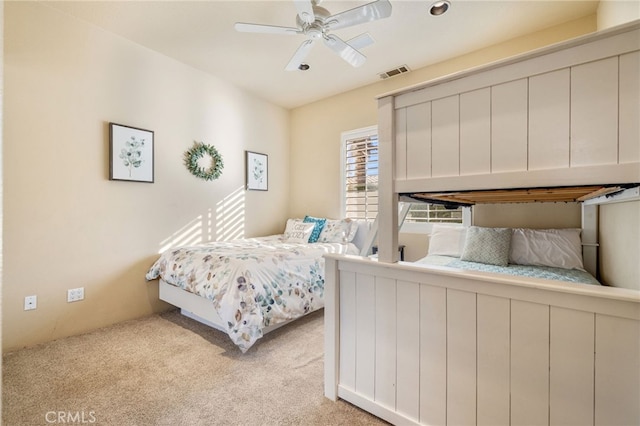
pixel 314 30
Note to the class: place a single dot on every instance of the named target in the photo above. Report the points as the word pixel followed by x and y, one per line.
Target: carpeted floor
pixel 169 370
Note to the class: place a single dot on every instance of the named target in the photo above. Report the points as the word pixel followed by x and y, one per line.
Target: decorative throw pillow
pixel 447 240
pixel 487 245
pixel 338 231
pixel 290 223
pixel 298 231
pixel 319 224
pixel 558 248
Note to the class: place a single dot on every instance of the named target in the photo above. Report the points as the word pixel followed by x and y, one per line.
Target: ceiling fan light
pixel 439 8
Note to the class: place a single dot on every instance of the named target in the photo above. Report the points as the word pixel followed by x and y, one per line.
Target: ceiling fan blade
pixel 300 55
pixel 366 13
pixel 345 51
pixel 305 10
pixel 361 41
pixel 265 29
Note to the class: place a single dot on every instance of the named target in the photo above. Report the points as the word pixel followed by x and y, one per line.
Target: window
pixel 360 185
pixel 433 213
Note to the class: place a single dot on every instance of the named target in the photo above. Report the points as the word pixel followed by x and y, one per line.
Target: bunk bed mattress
pixel 542 272
pixel 252 283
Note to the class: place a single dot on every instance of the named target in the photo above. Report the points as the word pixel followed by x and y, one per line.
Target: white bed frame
pixel 200 309
pixel 435 346
pixel 438 346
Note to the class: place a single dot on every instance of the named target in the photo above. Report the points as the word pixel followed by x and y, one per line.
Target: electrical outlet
pixel 30 303
pixel 75 294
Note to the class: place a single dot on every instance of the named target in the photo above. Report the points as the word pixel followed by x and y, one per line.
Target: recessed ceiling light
pixel 439 8
pixel 303 67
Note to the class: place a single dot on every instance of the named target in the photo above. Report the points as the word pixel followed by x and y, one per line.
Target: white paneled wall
pixel 548 112
pixel 594 113
pixel 422 346
pixel 445 145
pixel 475 132
pixel 629 137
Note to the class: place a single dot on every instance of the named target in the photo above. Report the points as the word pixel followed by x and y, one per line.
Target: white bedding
pixel 544 272
pixel 252 283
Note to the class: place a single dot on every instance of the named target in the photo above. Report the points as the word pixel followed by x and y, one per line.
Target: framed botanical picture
pixel 130 153
pixel 257 171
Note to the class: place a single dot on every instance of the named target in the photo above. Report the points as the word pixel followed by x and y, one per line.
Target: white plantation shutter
pixel 361 177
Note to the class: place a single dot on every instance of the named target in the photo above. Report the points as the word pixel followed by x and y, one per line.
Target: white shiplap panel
pixel 400 122
pixel 408 349
pixel 509 127
pixel 433 355
pixel 493 360
pixel 385 352
pixel 461 358
pixel 445 135
pixel 549 120
pixel 572 345
pixel 365 335
pixel 557 56
pixel 594 113
pixel 529 363
pixel 419 141
pixel 629 108
pixel 347 329
pixel 617 371
pixel 475 132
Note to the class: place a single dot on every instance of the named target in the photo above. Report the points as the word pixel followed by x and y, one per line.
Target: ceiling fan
pixel 316 22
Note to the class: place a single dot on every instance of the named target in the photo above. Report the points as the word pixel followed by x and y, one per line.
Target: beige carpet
pixel 169 370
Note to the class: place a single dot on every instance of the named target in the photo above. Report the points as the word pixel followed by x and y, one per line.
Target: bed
pixel 461 343
pixel 248 287
pixel 548 254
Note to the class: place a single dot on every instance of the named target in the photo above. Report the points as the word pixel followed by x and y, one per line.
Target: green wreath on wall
pixel 199 151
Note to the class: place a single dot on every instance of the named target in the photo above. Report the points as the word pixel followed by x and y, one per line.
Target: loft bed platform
pixel 517 195
pixel 438 345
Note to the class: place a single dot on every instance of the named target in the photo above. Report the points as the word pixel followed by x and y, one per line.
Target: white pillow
pixel 558 248
pixel 298 231
pixel 338 231
pixel 447 240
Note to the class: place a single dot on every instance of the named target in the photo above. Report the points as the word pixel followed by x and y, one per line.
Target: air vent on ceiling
pixel 396 71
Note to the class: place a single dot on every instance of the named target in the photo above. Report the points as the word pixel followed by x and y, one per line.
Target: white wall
pixel 529 215
pixel 66 225
pixel 620 244
pixel 617 12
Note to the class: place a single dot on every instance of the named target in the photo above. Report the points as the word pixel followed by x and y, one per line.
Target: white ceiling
pixel 201 34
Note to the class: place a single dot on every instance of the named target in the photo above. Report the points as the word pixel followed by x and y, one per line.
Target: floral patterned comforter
pixel 252 283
